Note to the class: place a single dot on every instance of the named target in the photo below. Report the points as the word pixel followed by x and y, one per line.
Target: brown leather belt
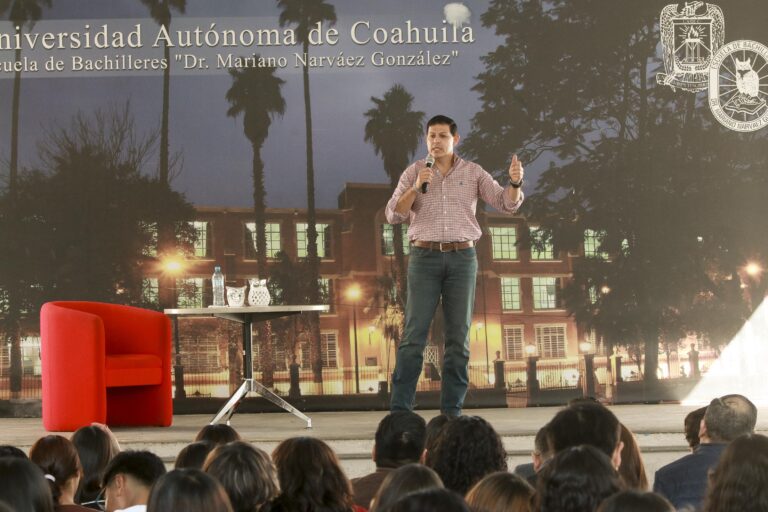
pixel 443 246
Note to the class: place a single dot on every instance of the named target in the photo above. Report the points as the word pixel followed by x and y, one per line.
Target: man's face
pixel 440 142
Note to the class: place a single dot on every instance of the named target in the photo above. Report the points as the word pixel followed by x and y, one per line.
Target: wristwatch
pixel 516 185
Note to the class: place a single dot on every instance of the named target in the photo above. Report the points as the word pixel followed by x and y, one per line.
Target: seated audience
pixel 434 429
pixel 632 469
pixel 247 474
pixel 193 455
pixel 468 449
pixel 740 480
pixel 588 423
pixel 128 479
pixel 6 450
pixel 57 457
pixel 636 501
pixel 217 434
pixel 401 482
pixel 96 445
pixel 188 490
pixel 539 455
pixel 310 478
pixel 501 492
pixel 23 487
pixel 577 479
pixel 399 440
pixel 431 500
pixel 692 424
pixel 684 481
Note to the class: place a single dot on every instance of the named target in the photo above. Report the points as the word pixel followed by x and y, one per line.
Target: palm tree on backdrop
pixel 255 93
pixel 395 132
pixel 21 13
pixel 305 14
pixel 160 10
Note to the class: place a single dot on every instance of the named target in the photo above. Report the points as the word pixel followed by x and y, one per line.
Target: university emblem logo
pixel 689 38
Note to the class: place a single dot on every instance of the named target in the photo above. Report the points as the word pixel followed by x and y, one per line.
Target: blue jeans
pixel 432 275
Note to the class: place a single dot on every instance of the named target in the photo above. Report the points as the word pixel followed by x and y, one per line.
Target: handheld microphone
pixel 430 162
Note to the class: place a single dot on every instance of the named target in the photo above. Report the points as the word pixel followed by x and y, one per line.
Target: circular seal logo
pixel 738 85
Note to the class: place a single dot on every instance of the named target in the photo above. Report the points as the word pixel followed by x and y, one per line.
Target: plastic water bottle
pixel 218 287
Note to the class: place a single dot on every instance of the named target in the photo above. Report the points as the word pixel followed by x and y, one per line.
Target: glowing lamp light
pixel 530 350
pixel 354 293
pixel 172 265
pixel 585 347
pixel 753 269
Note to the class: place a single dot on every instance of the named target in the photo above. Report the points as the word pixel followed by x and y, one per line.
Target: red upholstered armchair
pixel 106 363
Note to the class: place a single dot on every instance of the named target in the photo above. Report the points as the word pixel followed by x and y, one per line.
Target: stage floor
pixel 659 431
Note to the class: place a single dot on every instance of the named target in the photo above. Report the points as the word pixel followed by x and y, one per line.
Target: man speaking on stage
pixel 438 197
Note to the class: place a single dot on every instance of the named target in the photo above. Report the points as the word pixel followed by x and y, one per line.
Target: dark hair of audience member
pixel 217 434
pixel 193 455
pixel 692 424
pixel 95 446
pixel 435 427
pixel 402 481
pixel 23 487
pixel 740 480
pixel 399 439
pixel 632 469
pixel 636 501
pixel 189 490
pixel 501 492
pixel 142 465
pixel 468 449
pixel 57 457
pixel 576 479
pixel 584 423
pixel 431 500
pixel 247 474
pixel 310 477
pixel 729 417
pixel 542 452
pixel 6 450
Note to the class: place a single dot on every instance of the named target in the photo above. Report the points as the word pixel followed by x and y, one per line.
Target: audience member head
pixel 576 479
pixel 247 474
pixel 193 455
pixel 404 480
pixel 586 423
pixel 399 439
pixel 57 457
pixel 129 477
pixel 632 469
pixel 501 492
pixel 434 429
pixel 23 487
pixel 6 450
pixel 740 480
pixel 692 424
pixel 636 501
pixel 541 450
pixel 431 500
pixel 217 434
pixel 468 449
pixel 310 476
pixel 96 445
pixel 727 418
pixel 189 490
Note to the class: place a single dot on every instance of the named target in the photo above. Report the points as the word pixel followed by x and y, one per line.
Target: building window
pixel 542 248
pixel 202 246
pixel 546 293
pixel 387 237
pixel 189 292
pixel 504 240
pixel 278 354
pixel 327 293
pixel 592 242
pixel 150 295
pixel 272 232
pixel 510 293
pixel 323 240
pixel 149 232
pixel 550 340
pixel 328 350
pixel 513 343
pixel 201 355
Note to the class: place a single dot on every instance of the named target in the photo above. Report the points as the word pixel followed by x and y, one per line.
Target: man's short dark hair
pixel 7 450
pixel 400 439
pixel 441 119
pixel 541 442
pixel 729 417
pixel 584 423
pixel 144 466
pixel 692 424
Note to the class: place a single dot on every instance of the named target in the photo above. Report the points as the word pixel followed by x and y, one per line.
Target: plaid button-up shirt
pixel 446 213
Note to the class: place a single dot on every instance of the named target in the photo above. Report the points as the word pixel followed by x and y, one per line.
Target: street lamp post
pixel 173 266
pixel 588 384
pixel 353 293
